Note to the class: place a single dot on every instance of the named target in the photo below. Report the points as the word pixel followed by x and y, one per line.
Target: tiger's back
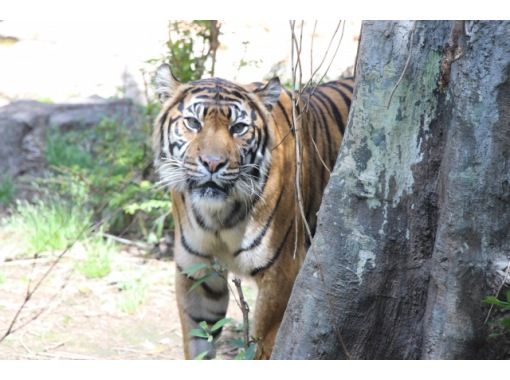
pixel 227 153
pixel 323 111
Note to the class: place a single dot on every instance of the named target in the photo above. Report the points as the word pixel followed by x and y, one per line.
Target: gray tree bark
pixel 414 228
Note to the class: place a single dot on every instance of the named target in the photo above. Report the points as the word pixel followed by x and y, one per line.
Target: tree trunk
pixel 413 231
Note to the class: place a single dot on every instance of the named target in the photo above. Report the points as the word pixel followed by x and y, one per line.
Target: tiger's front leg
pixel 207 302
pixel 272 300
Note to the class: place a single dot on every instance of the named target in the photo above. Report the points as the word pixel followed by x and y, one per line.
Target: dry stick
pixel 298 188
pixel 30 292
pixel 314 88
pixel 409 54
pixel 138 244
pixel 307 84
pixel 26 261
pixel 336 51
pixel 245 308
pixel 311 49
pixel 45 309
pixel 213 43
pixel 296 137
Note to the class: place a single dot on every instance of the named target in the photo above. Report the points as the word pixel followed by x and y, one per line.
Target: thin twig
pixel 26 261
pixel 311 49
pixel 66 355
pixel 307 84
pixel 55 346
pixel 138 244
pixel 409 54
pixel 245 308
pixel 47 308
pixel 335 53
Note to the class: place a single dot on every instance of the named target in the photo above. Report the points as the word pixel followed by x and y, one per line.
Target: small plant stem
pixel 245 309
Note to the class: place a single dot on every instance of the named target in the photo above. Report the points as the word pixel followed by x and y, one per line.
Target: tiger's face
pixel 212 138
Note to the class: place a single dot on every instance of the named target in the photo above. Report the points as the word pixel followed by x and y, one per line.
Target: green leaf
pixel 204 325
pixel 192 269
pixel 240 355
pixel 199 282
pixel 199 333
pixel 505 323
pixel 492 300
pixel 201 356
pixel 237 342
pixel 250 352
pixel 218 325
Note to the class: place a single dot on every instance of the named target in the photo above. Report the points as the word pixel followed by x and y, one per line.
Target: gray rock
pixel 23 127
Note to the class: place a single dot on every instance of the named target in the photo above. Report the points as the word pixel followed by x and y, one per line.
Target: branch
pixel 245 309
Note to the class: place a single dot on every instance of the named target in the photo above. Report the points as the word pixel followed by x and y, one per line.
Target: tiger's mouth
pixel 211 189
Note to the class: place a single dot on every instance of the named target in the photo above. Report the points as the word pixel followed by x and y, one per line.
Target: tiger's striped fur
pixel 227 153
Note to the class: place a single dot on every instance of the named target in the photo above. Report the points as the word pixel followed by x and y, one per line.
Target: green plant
pixel 105 170
pixel 503 305
pixel 134 295
pixel 206 331
pixel 50 225
pixel 248 353
pixel 7 189
pixel 66 150
pixel 97 263
pixel 202 272
pixel 191 45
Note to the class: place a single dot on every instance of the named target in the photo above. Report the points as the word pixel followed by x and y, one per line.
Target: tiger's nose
pixel 212 163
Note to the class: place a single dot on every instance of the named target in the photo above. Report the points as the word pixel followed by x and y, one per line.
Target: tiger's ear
pixel 270 93
pixel 165 82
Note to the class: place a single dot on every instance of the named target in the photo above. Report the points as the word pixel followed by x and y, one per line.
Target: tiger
pixel 226 153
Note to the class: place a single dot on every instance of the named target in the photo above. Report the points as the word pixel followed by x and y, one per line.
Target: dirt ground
pixel 129 314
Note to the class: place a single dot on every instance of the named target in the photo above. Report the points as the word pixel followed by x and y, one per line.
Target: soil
pixel 130 313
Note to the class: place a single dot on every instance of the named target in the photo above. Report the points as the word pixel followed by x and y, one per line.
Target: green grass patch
pixel 50 225
pixel 97 263
pixel 133 295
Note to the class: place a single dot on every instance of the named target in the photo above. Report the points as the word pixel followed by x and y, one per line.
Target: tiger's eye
pixel 193 124
pixel 238 129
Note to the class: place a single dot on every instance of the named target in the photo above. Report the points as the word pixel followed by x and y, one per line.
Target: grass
pixel 97 263
pixel 7 189
pixel 134 295
pixel 50 225
pixel 64 150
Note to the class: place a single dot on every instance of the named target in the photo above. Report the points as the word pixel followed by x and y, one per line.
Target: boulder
pixel 24 124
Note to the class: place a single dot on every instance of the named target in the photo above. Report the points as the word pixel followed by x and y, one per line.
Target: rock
pixel 24 124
